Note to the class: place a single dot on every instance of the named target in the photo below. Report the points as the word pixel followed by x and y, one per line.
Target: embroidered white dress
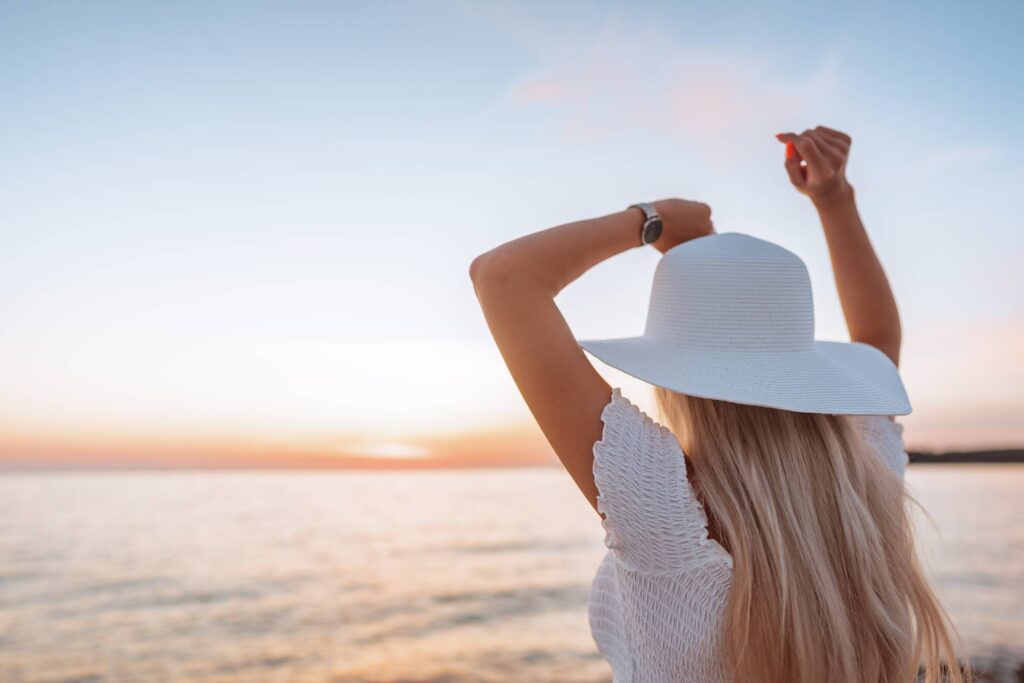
pixel 657 602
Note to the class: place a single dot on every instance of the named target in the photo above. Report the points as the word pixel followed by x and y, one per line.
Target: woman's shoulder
pixel 652 517
pixel 883 435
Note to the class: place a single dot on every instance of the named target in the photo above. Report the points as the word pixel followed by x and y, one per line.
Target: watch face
pixel 652 230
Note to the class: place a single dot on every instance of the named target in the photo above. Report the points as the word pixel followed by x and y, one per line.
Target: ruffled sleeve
pixel 885 437
pixel 652 519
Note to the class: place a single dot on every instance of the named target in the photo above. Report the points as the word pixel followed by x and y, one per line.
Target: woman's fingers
pixel 826 139
pixel 839 136
pixel 816 159
pixel 837 140
pixel 810 153
pixel 794 170
pixel 829 148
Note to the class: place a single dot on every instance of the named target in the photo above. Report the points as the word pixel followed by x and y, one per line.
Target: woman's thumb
pixel 793 168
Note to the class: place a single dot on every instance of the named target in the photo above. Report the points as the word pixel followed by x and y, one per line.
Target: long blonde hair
pixel 826 581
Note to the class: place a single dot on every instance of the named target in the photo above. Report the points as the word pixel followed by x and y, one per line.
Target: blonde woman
pixel 763 533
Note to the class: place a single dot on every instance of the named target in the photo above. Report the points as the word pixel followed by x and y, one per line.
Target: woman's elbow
pixel 476 268
pixel 490 268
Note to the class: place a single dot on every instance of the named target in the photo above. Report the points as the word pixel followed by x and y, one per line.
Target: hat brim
pixel 833 377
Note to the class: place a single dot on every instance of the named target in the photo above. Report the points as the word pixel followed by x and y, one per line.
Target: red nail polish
pixel 778 136
pixel 790 151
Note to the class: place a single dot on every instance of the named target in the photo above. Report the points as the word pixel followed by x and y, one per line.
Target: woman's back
pixel 659 601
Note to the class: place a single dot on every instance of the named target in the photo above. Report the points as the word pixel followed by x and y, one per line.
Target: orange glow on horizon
pixel 984 414
pixel 510 446
pixel 522 445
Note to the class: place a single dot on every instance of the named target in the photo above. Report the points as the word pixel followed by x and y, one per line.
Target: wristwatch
pixel 651 229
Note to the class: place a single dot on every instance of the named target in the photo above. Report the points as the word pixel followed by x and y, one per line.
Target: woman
pixel 765 536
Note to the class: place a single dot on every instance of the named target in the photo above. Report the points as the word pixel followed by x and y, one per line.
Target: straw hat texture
pixel 731 317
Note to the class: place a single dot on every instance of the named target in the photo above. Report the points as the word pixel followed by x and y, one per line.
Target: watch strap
pixel 649 232
pixel 648 209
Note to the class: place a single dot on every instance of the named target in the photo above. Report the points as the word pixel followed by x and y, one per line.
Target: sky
pixel 239 233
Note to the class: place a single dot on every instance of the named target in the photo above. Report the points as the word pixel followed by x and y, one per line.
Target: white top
pixel 657 603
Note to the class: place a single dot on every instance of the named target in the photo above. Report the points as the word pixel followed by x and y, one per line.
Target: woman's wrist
pixel 840 197
pixel 638 220
pixel 682 220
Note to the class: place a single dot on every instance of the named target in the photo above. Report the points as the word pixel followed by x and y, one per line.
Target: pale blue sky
pixel 219 218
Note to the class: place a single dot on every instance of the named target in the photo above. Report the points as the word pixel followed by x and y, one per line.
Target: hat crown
pixel 732 292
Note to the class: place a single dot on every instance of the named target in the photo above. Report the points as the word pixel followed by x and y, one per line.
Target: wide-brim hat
pixel 731 317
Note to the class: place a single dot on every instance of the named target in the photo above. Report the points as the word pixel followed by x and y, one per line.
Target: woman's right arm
pixel 816 163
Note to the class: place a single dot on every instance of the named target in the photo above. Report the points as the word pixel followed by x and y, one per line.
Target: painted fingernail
pixel 778 136
pixel 790 151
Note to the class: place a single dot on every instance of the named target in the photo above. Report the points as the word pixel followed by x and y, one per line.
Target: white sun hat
pixel 731 318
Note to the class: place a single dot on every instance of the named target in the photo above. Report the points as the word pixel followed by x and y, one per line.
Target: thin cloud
pixel 624 79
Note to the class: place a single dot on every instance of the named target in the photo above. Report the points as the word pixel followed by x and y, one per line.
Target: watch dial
pixel 652 231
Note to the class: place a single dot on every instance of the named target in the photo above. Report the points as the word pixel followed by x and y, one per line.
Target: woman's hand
pixel 682 221
pixel 816 163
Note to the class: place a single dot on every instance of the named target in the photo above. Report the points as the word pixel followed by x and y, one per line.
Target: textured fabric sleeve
pixel 652 520
pixel 885 437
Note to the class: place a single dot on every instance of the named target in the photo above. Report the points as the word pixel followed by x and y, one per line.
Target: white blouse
pixel 657 603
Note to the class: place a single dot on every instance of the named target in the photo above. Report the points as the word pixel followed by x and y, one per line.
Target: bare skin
pixel 816 164
pixel 516 284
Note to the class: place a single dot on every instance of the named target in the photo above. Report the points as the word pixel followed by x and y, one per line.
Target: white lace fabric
pixel 658 600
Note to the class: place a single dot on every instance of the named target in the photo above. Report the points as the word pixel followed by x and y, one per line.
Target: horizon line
pixel 996 456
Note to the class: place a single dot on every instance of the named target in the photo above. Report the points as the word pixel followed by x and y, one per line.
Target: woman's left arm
pixel 516 284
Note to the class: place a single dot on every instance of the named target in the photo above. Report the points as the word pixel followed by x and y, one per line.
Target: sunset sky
pixel 239 233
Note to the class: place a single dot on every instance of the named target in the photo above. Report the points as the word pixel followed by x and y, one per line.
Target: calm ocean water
pixel 343 577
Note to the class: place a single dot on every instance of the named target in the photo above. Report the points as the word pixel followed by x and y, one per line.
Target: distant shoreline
pixel 1009 455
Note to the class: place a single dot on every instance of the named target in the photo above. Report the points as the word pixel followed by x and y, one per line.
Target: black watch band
pixel 651 229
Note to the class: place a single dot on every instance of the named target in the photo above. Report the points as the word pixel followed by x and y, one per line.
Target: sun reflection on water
pixel 344 577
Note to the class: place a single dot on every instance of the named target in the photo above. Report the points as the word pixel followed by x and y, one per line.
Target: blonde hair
pixel 826 581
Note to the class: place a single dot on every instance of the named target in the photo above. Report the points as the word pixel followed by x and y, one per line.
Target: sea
pixel 343 577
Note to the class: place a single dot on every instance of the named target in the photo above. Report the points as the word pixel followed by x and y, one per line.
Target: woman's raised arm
pixel 816 163
pixel 516 284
